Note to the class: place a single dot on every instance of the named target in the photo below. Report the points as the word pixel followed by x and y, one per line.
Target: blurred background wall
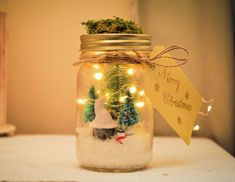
pixel 43 42
pixel 205 28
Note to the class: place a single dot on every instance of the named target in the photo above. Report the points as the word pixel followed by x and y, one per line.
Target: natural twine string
pixel 121 57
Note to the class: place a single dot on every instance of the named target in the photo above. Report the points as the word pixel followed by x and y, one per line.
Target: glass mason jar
pixel 114 115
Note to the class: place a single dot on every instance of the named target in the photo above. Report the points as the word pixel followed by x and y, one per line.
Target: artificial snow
pixel 135 151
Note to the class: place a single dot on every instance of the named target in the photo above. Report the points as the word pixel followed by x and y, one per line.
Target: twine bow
pixel 122 57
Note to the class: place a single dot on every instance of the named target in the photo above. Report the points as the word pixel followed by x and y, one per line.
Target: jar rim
pixel 110 42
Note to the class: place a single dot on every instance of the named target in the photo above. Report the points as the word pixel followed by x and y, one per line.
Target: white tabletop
pixel 53 158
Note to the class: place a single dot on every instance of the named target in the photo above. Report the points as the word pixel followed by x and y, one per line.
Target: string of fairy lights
pixel 133 89
pixel 208 110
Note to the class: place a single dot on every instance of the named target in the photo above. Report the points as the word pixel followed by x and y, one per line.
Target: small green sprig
pixel 115 25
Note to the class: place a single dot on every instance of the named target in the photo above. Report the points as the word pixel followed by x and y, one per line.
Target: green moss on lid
pixel 115 25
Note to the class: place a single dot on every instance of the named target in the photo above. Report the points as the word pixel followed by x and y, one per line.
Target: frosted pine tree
pixel 128 115
pixel 117 80
pixel 89 110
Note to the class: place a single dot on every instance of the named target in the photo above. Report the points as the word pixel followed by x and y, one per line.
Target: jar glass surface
pixel 114 116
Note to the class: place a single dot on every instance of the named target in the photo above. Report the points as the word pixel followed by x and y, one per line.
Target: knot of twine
pixel 122 57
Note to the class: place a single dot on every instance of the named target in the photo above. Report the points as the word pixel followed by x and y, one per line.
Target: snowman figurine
pixel 104 127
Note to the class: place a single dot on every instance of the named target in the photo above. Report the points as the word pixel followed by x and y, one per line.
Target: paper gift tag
pixel 173 95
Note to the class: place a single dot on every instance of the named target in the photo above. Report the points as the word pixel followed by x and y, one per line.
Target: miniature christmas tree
pixel 89 111
pixel 117 80
pixel 128 115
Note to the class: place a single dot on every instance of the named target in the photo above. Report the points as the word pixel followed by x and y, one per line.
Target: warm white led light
pixel 96 66
pixel 107 95
pixel 139 104
pixel 133 89
pixel 141 93
pixel 209 108
pixel 196 127
pixel 98 92
pixel 81 101
pixel 98 76
pixel 122 99
pixel 130 71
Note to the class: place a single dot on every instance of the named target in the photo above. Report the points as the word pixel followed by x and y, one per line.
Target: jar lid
pixel 106 42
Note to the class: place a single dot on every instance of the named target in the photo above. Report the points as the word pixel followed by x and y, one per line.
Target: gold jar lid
pixel 106 42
